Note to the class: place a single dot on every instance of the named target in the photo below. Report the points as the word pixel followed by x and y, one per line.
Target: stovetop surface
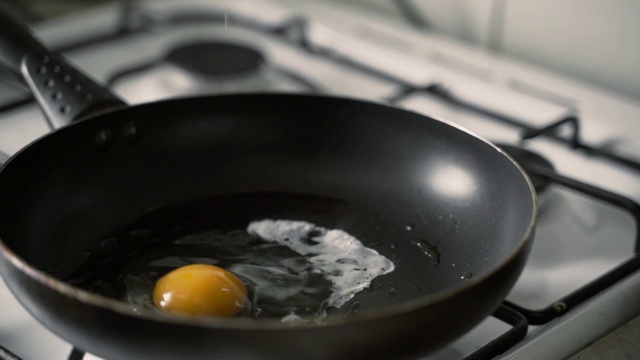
pixel 578 237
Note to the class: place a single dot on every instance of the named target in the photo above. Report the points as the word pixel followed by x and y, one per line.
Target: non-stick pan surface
pixel 454 213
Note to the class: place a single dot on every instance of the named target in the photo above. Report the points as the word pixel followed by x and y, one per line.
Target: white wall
pixel 594 40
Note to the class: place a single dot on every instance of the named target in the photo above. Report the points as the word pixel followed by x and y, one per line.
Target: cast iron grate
pixel 519 327
pixel 7 355
pixel 528 132
pixel 295 32
pixel 575 298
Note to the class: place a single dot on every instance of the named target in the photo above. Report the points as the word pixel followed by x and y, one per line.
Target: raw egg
pixel 200 290
pixel 342 259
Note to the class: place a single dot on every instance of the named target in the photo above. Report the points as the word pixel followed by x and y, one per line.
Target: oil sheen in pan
pixel 280 281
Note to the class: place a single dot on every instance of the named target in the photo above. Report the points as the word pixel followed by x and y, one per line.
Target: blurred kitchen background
pixel 595 41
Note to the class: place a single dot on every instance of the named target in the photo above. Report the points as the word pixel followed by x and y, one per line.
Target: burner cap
pixel 526 159
pixel 216 59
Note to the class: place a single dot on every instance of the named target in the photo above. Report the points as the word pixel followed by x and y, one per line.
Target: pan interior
pixel 445 206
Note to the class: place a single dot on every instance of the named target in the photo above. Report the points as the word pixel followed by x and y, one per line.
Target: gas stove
pixel 577 142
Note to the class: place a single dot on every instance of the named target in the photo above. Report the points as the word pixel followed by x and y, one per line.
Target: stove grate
pixel 76 354
pixel 7 355
pixel 570 301
pixel 573 140
pixel 504 342
pixel 295 31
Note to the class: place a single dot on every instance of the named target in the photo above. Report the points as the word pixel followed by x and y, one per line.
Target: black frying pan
pixel 470 209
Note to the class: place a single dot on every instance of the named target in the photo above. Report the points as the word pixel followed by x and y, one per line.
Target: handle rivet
pixel 102 139
pixel 131 133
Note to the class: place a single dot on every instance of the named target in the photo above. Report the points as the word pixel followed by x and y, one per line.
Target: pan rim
pixel 122 308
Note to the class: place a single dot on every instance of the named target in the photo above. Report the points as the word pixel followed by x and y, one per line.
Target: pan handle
pixel 64 93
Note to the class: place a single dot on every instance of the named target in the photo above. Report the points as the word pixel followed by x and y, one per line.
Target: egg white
pixel 340 257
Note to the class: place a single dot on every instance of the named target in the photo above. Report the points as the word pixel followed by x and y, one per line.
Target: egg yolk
pixel 201 290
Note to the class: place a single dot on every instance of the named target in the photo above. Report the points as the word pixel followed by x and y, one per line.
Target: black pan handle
pixel 64 93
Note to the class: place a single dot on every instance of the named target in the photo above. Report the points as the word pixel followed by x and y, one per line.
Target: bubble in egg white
pixel 339 257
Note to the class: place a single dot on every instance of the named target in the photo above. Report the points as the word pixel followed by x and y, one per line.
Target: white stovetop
pixel 472 74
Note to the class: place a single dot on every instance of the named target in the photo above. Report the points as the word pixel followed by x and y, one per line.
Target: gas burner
pixel 528 159
pixel 216 59
pixel 206 68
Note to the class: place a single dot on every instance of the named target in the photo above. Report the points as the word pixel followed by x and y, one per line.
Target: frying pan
pixel 455 213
